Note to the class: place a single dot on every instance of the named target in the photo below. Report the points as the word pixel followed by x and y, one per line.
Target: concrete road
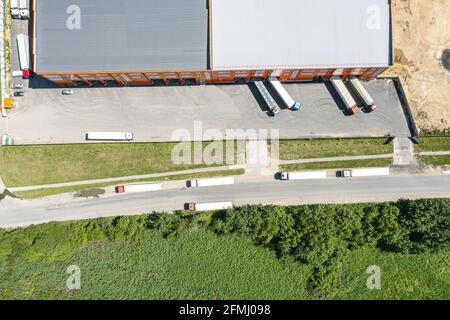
pixel 15 213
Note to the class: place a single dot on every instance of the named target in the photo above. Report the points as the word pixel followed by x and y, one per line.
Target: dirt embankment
pixel 422 58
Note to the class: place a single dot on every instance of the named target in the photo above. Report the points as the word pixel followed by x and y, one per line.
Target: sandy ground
pixel 421 36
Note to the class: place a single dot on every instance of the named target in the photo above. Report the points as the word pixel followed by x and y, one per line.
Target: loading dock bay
pixel 44 116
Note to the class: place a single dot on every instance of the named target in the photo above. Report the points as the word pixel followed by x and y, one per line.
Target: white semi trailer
pixel 145 187
pixel 345 95
pixel 369 172
pixel 210 206
pixel 303 175
pixel 15 9
pixel 362 93
pixel 24 7
pixel 273 107
pixel 109 136
pixel 23 45
pixel 210 182
pixel 284 95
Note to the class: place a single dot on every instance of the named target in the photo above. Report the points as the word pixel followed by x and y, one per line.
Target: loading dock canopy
pixel 300 34
pixel 121 35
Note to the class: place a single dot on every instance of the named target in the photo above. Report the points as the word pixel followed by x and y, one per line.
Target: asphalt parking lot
pixel 44 116
pixel 153 113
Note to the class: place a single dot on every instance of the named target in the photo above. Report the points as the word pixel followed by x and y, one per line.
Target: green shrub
pixel 87 232
pixel 426 224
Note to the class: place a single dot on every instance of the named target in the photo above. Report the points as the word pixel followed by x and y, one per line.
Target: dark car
pixel 18 94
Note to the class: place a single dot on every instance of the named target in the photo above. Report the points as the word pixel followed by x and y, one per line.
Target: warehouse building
pixel 144 41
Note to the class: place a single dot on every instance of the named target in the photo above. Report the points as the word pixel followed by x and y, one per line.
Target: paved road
pixel 15 213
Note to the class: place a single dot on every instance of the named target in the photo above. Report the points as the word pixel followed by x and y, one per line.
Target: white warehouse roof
pixel 300 34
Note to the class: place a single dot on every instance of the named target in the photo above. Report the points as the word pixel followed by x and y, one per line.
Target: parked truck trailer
pixel 24 7
pixel 362 93
pixel 369 172
pixel 312 175
pixel 15 9
pixel 145 187
pixel 284 95
pixel 345 95
pixel 23 45
pixel 210 206
pixel 273 107
pixel 210 182
pixel 109 136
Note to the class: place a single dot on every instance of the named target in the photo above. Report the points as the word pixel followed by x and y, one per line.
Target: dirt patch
pixel 422 58
pixel 92 193
pixel 7 193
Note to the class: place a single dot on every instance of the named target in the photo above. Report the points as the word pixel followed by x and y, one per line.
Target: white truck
pixel 147 187
pixel 369 172
pixel 312 175
pixel 209 206
pixel 210 182
pixel 273 107
pixel 23 45
pixel 109 136
pixel 24 8
pixel 284 95
pixel 345 95
pixel 15 9
pixel 362 93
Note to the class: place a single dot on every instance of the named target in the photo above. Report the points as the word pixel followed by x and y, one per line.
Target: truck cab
pixel 274 111
pixel 344 173
pixel 191 183
pixel 297 106
pixel 283 176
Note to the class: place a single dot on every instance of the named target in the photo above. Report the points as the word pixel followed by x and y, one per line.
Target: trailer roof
pixel 121 35
pixel 285 34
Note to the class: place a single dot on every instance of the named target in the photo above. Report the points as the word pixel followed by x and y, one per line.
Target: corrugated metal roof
pixel 122 35
pixel 268 34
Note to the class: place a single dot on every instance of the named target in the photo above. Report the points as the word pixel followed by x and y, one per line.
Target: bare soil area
pixel 422 58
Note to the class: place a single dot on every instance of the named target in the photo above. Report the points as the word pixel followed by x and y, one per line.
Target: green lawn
pixel 433 144
pixel 338 165
pixel 37 165
pixel 436 160
pixel 195 265
pixel 325 148
pixel 39 193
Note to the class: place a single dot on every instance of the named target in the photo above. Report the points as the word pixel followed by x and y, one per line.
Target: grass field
pixel 37 165
pixel 197 265
pixel 421 276
pixel 433 144
pixel 326 148
pixel 39 193
pixel 338 165
pixel 436 160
